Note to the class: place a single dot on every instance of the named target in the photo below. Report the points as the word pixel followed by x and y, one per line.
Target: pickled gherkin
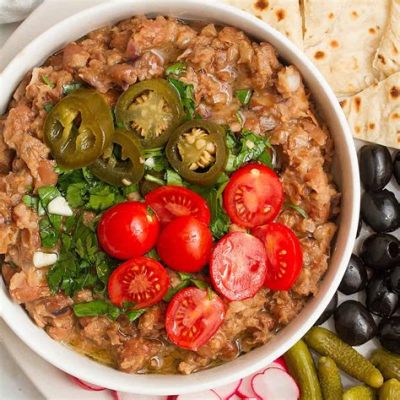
pixel 359 393
pixel 388 363
pixel 301 366
pixel 390 390
pixel 329 379
pixel 346 358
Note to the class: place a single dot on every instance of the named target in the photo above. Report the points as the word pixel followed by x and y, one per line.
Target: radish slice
pixel 275 384
pixel 115 395
pixel 237 397
pixel 226 391
pixel 207 395
pixel 281 361
pixel 86 385
pixel 245 389
pixel 129 396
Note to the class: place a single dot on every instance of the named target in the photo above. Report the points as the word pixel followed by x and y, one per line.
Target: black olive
pixel 380 298
pixel 389 334
pixel 355 277
pixel 396 166
pixel 329 310
pixel 354 324
pixel 380 251
pixel 394 280
pixel 376 166
pixel 381 210
pixel 359 226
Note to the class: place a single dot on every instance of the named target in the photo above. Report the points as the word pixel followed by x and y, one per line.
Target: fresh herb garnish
pixel 297 208
pixel 154 179
pixel 155 159
pixel 48 107
pixel 244 96
pixel 47 81
pixel 172 291
pixel 135 314
pixel 249 147
pixel 176 69
pixel 173 178
pixel 70 87
pixel 153 254
pixel 186 94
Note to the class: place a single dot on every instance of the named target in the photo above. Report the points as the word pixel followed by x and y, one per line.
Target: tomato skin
pixel 253 195
pixel 127 230
pixel 192 308
pixel 287 264
pixel 170 202
pixel 185 244
pixel 137 273
pixel 238 266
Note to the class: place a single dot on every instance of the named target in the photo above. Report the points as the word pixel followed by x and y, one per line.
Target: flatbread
pixel 341 37
pixel 283 15
pixel 387 57
pixel 374 114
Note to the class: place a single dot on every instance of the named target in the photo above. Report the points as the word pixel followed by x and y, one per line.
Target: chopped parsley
pixel 176 69
pixel 70 87
pixel 186 94
pixel 186 281
pixel 47 81
pixel 173 178
pixel 244 96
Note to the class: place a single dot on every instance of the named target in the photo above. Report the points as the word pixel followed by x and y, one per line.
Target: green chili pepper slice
pixel 197 151
pixel 151 110
pixel 126 171
pixel 79 128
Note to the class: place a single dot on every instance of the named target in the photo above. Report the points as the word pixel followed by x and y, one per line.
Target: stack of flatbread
pixel 356 46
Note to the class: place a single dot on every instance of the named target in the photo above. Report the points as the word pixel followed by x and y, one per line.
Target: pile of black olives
pixel 377 268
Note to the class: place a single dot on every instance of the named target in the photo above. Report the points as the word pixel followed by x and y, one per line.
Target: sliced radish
pixel 275 384
pixel 129 396
pixel 115 395
pixel 237 397
pixel 206 395
pixel 245 389
pixel 225 392
pixel 281 361
pixel 86 385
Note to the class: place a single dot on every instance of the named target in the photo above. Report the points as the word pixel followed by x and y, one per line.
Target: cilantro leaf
pixel 172 291
pixel 48 193
pixel 47 81
pixel 244 95
pixel 101 199
pixel 77 194
pixel 95 308
pixel 176 69
pixel 48 234
pixel 135 314
pixel 186 94
pixel 48 107
pixel 297 208
pixel 173 178
pixel 70 87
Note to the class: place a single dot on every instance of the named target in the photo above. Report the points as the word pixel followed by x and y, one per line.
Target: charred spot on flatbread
pixel 343 103
pixel 371 126
pixel 261 4
pixel 395 92
pixel 354 14
pixel 381 58
pixel 334 44
pixel 280 14
pixel 319 55
pixel 357 129
pixel 395 116
pixel 357 102
pixel 372 31
pixel 331 15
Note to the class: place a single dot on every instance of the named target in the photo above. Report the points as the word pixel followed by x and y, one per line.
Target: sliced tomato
pixel 142 281
pixel 253 196
pixel 128 229
pixel 284 255
pixel 238 266
pixel 193 316
pixel 185 244
pixel 170 202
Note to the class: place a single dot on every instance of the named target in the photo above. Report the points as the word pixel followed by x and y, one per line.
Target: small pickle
pixel 197 151
pixel 390 390
pixel 301 366
pixel 388 363
pixel 151 110
pixel 346 358
pixel 79 128
pixel 127 171
pixel 359 393
pixel 329 378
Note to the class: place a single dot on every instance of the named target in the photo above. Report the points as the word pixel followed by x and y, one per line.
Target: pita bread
pixel 374 114
pixel 341 38
pixel 387 58
pixel 283 15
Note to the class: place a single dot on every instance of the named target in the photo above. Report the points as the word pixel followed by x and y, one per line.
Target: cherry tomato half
pixel 193 317
pixel 185 244
pixel 127 230
pixel 142 281
pixel 238 266
pixel 253 196
pixel 284 255
pixel 170 202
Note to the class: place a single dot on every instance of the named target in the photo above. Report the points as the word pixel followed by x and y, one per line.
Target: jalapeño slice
pixel 127 170
pixel 78 128
pixel 197 151
pixel 151 110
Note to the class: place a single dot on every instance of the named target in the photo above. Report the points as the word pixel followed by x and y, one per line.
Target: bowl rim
pixel 70 360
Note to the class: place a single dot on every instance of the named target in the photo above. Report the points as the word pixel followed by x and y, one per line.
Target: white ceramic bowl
pixel 347 178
